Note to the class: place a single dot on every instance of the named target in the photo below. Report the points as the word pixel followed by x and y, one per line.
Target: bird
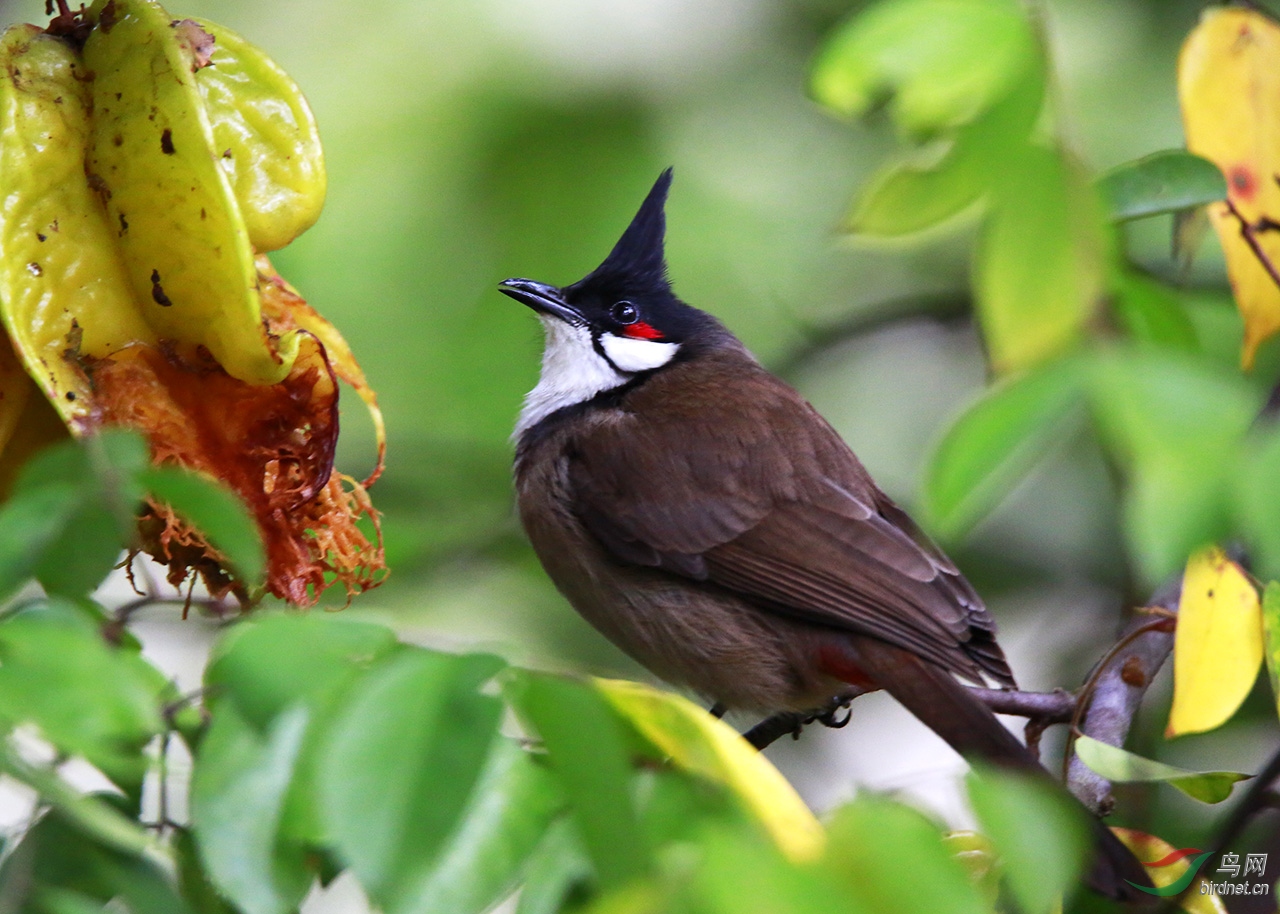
pixel 700 514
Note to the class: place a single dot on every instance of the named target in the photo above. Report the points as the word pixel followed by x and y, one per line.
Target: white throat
pixel 574 372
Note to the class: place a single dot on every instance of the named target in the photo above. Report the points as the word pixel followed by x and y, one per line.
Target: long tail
pixel 947 707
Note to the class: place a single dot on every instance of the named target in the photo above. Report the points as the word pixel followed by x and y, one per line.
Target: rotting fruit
pixel 147 164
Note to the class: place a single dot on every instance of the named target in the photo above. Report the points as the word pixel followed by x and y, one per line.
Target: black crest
pixel 639 255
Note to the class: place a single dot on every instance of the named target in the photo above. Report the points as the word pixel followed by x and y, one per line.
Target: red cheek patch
pixel 641 331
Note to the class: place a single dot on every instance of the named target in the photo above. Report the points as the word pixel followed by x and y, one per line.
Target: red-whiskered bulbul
pixel 703 516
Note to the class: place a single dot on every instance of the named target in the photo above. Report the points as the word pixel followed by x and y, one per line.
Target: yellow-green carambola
pixel 266 136
pixel 63 286
pixel 153 160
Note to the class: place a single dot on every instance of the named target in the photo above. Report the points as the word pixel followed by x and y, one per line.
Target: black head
pixel 628 295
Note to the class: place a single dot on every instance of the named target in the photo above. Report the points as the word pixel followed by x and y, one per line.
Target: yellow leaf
pixel 1167 865
pixel 1229 88
pixel 699 743
pixel 1218 646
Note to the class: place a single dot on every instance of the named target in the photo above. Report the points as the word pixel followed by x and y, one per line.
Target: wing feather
pixel 767 501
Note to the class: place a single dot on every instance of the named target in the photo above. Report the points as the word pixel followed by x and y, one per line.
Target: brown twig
pixel 1043 708
pixel 1119 683
pixel 1249 232
pixel 1056 707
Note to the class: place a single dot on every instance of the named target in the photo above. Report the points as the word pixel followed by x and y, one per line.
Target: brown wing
pixel 767 501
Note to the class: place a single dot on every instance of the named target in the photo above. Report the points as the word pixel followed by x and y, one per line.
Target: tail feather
pixel 969 727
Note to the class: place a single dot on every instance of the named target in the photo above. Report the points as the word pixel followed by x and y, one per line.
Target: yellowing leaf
pixel 1229 88
pixel 978 856
pixel 700 743
pixel 1039 269
pixel 1218 645
pixel 1169 866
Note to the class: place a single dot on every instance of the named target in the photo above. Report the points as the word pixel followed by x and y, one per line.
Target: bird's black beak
pixel 542 298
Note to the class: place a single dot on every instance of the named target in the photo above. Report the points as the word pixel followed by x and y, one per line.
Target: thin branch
pixel 1056 707
pixel 1249 232
pixel 1120 682
pixel 1044 708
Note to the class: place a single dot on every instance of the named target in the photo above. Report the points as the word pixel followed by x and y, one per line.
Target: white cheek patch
pixel 633 355
pixel 572 372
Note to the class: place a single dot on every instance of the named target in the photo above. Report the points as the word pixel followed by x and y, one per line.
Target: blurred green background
pixel 472 140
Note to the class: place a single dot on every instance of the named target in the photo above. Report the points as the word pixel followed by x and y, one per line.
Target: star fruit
pixel 147 165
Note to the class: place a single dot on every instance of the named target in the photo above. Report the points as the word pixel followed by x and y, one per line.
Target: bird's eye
pixel 624 313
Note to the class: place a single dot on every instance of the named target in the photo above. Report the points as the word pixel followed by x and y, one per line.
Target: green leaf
pixel 238 788
pixel 276 660
pixel 279 660
pixel 1162 182
pixel 86 698
pixel 66 901
pixel 945 61
pixel 1271 636
pixel 896 859
pixel 588 751
pixel 30 522
pixel 511 808
pixel 1159 405
pixel 1040 261
pixel 1039 832
pixel 996 443
pixel 216 512
pixel 89 814
pixel 1189 229
pixel 907 197
pixel 1116 764
pixel 1257 498
pixel 64 868
pixel 927 189
pixel 558 870
pixel 400 764
pixel 676 806
pixel 115 457
pixel 1176 422
pixel 741 874
pixel 1151 311
pixel 194 883
pixel 86 550
pixel 98 479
